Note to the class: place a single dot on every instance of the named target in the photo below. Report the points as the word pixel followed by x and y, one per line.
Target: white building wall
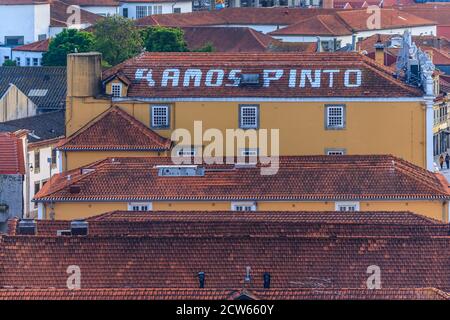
pixel 102 10
pixel 4 52
pixel 41 21
pixel 167 7
pixel 43 175
pixel 21 58
pixel 24 20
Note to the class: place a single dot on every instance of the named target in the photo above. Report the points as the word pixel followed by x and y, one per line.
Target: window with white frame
pixel 157 9
pixel 243 206
pixel 18 61
pixel 160 116
pixel 28 62
pixel 116 89
pixel 335 152
pixel 347 206
pixel 186 152
pixel 141 11
pixel 335 117
pixel 140 206
pixel 35 62
pixel 248 116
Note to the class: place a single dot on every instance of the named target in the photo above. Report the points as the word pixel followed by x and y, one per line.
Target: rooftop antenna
pixel 248 277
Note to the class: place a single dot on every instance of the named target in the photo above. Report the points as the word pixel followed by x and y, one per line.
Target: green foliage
pixel 164 39
pixel 117 39
pixel 68 41
pixel 9 63
pixel 207 47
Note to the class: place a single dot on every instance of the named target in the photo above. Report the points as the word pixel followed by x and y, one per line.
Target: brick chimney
pixel 379 51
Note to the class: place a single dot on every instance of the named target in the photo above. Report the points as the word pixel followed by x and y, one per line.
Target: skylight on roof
pixel 37 93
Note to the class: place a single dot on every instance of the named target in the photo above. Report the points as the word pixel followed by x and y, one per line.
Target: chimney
pixel 84 74
pixel 353 42
pixel 201 279
pixel 379 51
pixel 328 4
pixel 266 278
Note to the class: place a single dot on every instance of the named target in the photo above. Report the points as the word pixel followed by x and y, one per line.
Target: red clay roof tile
pixel 38 46
pixel 11 154
pixel 217 223
pixel 115 129
pixel 147 70
pixel 298 178
pixel 223 294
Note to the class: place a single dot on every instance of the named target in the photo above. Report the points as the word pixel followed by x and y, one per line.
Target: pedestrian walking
pixel 441 161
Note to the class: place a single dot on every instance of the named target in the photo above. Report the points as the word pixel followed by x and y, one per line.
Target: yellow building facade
pixel 377 115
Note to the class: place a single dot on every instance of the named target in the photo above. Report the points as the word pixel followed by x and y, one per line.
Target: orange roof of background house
pixel 345 22
pixel 220 223
pixel 307 260
pixel 302 178
pixel 224 294
pixel 38 46
pixel 23 2
pixel 376 81
pixel 115 129
pixel 228 39
pixel 436 11
pixel 11 154
pixel 233 16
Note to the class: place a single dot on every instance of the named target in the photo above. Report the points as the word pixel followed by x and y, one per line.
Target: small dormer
pixel 116 85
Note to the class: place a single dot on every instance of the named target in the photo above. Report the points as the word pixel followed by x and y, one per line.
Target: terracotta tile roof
pixel 115 129
pixel 59 15
pixel 174 261
pixel 38 46
pixel 439 57
pixel 219 223
pixel 23 2
pixel 345 22
pixel 298 178
pixel 320 25
pixel 223 294
pixel 233 16
pixel 368 44
pixel 376 80
pixel 11 154
pixel 228 39
pixel 438 12
pixel 94 3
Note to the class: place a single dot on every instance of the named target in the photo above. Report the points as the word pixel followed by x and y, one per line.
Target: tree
pixel 67 41
pixel 164 39
pixel 207 47
pixel 117 39
pixel 9 63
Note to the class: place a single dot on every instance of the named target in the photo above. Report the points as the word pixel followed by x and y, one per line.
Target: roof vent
pixel 60 233
pixel 249 79
pixel 266 278
pixel 181 171
pixel 79 228
pixel 247 277
pixel 27 227
pixel 74 188
pixel 201 279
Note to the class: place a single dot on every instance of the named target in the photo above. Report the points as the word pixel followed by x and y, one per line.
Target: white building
pixel 135 9
pixel 28 21
pixel 346 27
